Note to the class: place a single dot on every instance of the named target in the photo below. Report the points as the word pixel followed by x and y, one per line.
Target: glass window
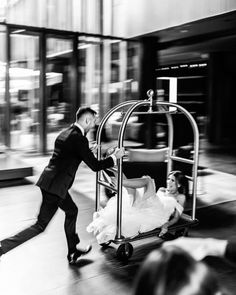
pixel 108 71
pixel 131 85
pixel 24 91
pixel 89 51
pixel 2 86
pixel 59 87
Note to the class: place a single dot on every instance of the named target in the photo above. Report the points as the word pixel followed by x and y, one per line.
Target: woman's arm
pixel 181 199
pixel 164 228
pixel 175 218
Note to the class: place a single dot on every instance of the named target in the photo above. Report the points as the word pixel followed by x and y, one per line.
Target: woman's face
pixel 171 184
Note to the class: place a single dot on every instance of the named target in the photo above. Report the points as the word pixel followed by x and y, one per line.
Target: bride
pixel 143 209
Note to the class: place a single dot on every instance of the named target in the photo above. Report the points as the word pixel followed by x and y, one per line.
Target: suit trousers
pixel 49 206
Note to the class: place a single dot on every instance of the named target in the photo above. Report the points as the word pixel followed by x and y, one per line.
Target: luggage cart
pixel 123 244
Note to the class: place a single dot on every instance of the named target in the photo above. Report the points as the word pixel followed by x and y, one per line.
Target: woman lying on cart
pixel 143 209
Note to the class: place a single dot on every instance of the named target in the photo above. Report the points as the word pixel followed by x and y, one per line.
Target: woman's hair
pixel 172 271
pixel 181 182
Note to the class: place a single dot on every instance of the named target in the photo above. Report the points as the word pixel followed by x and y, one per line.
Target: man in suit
pixel 71 148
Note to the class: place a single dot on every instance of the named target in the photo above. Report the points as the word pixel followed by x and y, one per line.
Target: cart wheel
pixel 105 245
pixel 124 251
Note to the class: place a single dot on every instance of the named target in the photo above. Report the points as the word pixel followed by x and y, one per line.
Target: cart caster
pixel 124 251
pixel 105 245
pixel 181 233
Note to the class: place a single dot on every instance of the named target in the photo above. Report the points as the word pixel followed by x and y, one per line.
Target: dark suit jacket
pixel 71 147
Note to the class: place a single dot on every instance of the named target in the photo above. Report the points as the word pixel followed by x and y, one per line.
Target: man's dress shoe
pixel 73 257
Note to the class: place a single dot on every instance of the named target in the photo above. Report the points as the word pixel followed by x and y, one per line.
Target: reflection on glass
pixel 24 90
pixel 108 72
pixel 89 51
pixel 59 104
pixel 2 86
pixel 90 69
pixel 131 84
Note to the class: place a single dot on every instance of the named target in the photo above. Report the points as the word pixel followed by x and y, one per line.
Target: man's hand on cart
pixel 119 153
pixel 93 146
pixel 164 230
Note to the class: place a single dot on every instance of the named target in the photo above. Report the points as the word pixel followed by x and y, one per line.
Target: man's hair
pixel 83 111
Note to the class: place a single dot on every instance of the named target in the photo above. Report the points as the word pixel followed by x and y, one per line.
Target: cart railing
pixel 168 110
pixel 98 140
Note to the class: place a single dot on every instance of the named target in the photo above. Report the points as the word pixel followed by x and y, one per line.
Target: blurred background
pixel 58 55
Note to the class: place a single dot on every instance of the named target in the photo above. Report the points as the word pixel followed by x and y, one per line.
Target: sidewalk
pixel 40 267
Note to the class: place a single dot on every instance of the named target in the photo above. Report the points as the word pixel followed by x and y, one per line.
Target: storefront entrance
pixel 47 74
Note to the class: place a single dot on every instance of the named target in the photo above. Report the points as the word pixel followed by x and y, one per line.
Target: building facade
pixel 56 55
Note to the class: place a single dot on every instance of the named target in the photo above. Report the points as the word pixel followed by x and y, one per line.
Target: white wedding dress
pixel 149 210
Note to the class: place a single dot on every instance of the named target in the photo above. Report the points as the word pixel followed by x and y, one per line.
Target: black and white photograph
pixel 117 147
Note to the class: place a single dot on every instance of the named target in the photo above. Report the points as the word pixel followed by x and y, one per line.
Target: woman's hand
pixel 164 230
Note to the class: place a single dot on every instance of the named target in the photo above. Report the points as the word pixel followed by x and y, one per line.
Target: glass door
pixel 60 86
pixel 108 71
pixel 2 88
pixel 24 91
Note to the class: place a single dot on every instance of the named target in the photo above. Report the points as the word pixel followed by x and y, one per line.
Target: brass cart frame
pixel 125 249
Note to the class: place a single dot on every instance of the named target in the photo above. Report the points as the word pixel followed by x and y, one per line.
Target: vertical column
pixel 101 78
pixel 123 70
pixel 42 94
pixel 222 103
pixel 7 90
pixel 75 91
pixel 106 77
pixel 101 61
pixel 148 65
pixel 89 73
